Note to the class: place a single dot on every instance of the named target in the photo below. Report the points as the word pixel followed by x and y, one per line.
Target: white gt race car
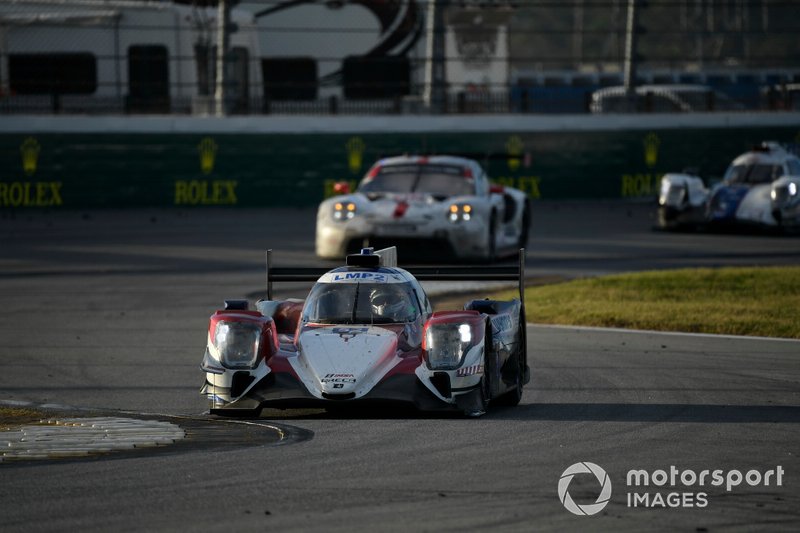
pixel 425 204
pixel 759 189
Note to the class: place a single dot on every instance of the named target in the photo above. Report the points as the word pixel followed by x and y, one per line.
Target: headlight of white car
pixel 783 193
pixel 237 343
pixel 344 210
pixel 446 345
pixel 459 212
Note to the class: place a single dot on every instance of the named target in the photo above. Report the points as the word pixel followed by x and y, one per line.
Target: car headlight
pixel 344 210
pixel 237 343
pixel 458 212
pixel 446 345
pixel 792 189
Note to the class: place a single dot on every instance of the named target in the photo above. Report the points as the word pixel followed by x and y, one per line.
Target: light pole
pixel 221 97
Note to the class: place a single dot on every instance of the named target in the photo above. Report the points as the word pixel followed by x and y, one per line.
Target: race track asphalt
pixel 107 310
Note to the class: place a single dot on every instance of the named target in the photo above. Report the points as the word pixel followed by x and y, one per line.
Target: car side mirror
pixel 341 187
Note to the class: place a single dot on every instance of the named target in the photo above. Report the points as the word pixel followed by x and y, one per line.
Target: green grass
pixel 735 301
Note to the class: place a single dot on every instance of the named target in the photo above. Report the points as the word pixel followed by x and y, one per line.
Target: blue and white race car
pixel 367 333
pixel 441 204
pixel 761 188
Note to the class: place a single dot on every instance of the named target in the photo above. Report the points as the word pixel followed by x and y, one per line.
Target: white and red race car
pixel 367 333
pixel 432 204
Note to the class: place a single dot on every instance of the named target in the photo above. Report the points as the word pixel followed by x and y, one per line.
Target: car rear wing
pixel 511 272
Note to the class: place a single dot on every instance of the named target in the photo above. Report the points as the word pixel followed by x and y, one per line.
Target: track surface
pixel 109 309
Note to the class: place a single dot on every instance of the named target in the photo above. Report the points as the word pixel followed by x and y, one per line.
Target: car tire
pixel 526 225
pixel 513 397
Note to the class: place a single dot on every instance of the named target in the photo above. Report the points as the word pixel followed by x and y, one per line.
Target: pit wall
pixel 114 162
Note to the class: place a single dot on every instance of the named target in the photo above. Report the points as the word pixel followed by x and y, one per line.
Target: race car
pixel 366 333
pixel 424 204
pixel 759 189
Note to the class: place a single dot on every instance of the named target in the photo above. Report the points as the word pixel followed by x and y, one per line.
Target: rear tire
pixel 526 225
pixel 512 398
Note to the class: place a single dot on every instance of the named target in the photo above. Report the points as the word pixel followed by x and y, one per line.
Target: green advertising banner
pixel 88 170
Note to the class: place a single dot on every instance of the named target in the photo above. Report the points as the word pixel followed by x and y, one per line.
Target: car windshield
pixel 753 174
pixel 361 303
pixel 436 180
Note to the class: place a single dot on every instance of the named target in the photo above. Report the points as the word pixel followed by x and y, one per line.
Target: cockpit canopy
pixel 361 303
pixel 753 174
pixel 437 180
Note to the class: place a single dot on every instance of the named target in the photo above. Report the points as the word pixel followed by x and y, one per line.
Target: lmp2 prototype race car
pixel 759 189
pixel 427 203
pixel 366 333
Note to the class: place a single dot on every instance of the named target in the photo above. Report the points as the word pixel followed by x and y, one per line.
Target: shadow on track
pixel 622 412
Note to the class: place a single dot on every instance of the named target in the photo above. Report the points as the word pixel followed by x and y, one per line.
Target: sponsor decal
pixel 355 154
pixel 501 323
pixel 516 153
pixel 205 192
pixel 651 142
pixel 670 487
pixel 527 184
pixel 373 277
pixel 30 193
pixel 338 378
pixel 469 371
pixel 208 153
pixel 38 194
pixel 30 149
pixel 348 333
pixel 642 184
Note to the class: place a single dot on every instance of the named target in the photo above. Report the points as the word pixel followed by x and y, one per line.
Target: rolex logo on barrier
pixel 30 192
pixel 514 147
pixel 30 155
pixel 651 143
pixel 208 154
pixel 355 154
pixel 206 191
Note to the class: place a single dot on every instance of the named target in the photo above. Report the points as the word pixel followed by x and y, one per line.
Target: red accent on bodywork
pixel 287 316
pixel 279 364
pixel 407 366
pixel 400 210
pixel 373 171
pixel 467 173
pixel 341 187
pixel 496 189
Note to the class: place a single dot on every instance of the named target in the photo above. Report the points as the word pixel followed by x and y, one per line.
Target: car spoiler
pixel 422 273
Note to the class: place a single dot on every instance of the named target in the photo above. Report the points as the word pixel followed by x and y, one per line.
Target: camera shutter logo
pixel 602 499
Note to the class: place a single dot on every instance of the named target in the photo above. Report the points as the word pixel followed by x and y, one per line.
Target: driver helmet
pixel 387 303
